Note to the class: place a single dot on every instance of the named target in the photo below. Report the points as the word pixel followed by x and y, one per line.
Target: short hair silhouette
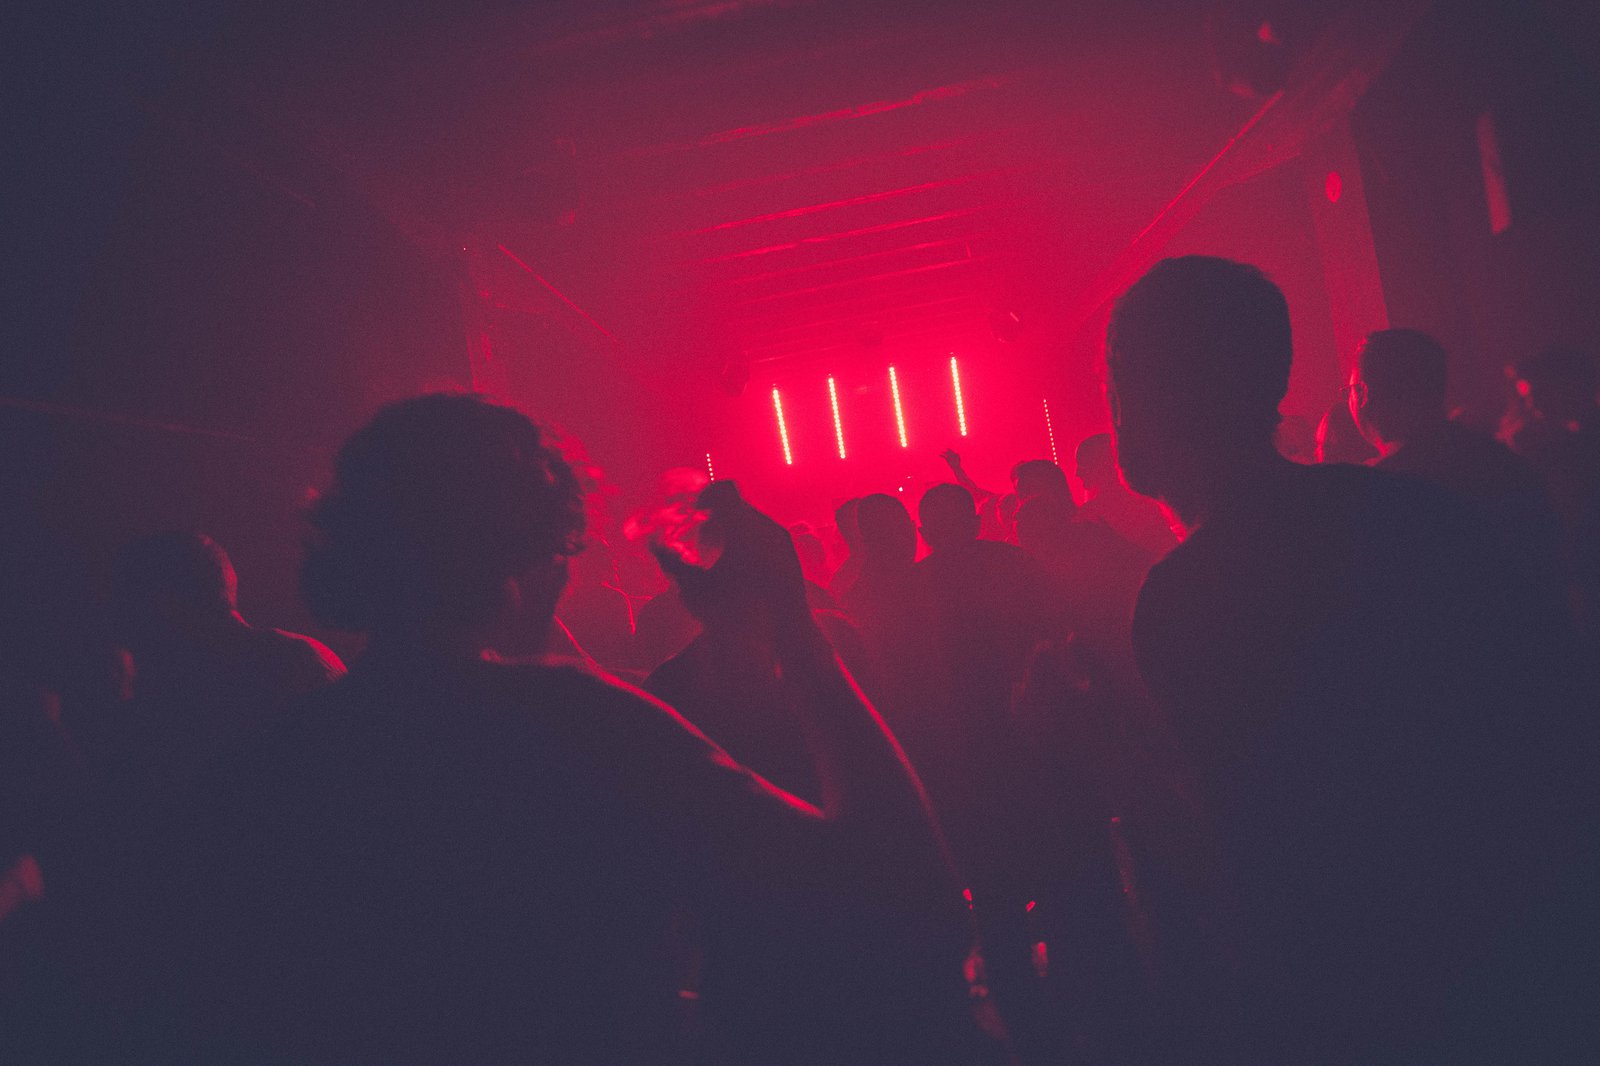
pixel 886 530
pixel 1096 463
pixel 436 504
pixel 1039 477
pixel 948 515
pixel 1404 373
pixel 1207 344
pixel 189 569
pixel 844 520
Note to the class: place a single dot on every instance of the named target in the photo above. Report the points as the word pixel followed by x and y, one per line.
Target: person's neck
pixel 213 629
pixel 1227 486
pixel 1390 442
pixel 422 643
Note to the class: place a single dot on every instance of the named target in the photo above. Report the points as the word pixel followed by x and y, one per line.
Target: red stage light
pixel 1050 430
pixel 961 407
pixel 838 423
pixel 899 412
pixel 783 429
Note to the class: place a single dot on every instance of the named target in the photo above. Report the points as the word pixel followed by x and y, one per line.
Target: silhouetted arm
pixel 873 808
pixel 953 460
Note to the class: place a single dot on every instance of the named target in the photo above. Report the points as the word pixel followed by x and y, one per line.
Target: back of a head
pixel 161 572
pixel 948 515
pixel 1096 463
pixel 887 533
pixel 437 503
pixel 844 519
pixel 1039 477
pixel 1198 354
pixel 1404 374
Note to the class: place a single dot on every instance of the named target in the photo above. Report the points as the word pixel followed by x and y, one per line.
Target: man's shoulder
pixel 307 653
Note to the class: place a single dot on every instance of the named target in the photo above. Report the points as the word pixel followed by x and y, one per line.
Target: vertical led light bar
pixel 711 471
pixel 838 423
pixel 899 413
pixel 1051 431
pixel 783 430
pixel 961 407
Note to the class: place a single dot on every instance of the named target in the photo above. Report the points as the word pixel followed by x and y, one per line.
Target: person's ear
pixel 536 591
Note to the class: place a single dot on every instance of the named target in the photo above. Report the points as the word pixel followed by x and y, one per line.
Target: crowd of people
pixel 1220 756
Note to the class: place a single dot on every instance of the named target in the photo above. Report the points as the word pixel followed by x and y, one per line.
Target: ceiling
pixel 771 182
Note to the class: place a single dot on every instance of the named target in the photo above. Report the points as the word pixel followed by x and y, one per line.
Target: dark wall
pixel 1492 298
pixel 225 309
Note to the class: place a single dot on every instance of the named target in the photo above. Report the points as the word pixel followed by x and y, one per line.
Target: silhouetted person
pixel 204 678
pixel 1094 575
pixel 993 524
pixel 729 685
pixel 1560 435
pixel 1339 439
pixel 1106 499
pixel 1369 708
pixel 445 857
pixel 1038 477
pixel 888 549
pixel 55 659
pixel 985 605
pixel 844 517
pixel 1397 399
pixel 987 597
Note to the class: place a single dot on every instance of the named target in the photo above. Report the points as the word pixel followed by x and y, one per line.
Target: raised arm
pixel 952 459
pixel 870 795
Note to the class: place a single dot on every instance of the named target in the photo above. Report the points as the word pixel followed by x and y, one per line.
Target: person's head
pixel 1397 387
pixel 949 517
pixel 888 536
pixel 1558 385
pixel 1197 359
pixel 172 581
pixel 1038 477
pixel 448 515
pixel 1339 439
pixel 844 520
pixel 1097 465
pixel 813 555
pixel 1043 524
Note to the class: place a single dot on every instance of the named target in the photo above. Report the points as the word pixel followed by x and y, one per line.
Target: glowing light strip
pixel 711 471
pixel 783 430
pixel 1051 430
pixel 838 423
pixel 961 407
pixel 899 414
